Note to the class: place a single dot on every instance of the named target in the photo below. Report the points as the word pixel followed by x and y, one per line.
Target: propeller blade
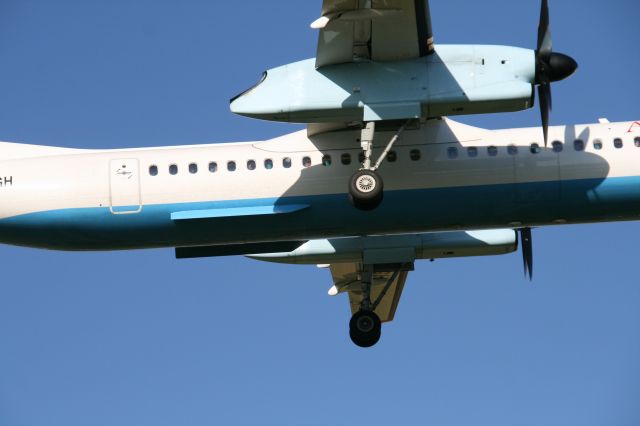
pixel 527 251
pixel 550 67
pixel 544 95
pixel 545 43
pixel 547 88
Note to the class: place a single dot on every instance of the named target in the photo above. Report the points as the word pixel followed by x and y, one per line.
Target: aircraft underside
pixel 375 100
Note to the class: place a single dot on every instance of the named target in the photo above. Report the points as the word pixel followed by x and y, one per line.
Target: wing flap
pixel 330 7
pixel 380 30
pixel 335 43
pixel 395 38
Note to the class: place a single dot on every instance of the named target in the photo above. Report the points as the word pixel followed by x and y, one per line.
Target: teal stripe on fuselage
pixel 425 210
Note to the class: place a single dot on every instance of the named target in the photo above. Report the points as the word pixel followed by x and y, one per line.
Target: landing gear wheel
pixel 365 328
pixel 366 190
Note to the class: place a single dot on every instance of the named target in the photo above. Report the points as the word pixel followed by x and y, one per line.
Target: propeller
pixel 550 67
pixel 527 251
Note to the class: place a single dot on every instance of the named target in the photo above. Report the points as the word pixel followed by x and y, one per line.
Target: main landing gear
pixel 366 189
pixel 365 326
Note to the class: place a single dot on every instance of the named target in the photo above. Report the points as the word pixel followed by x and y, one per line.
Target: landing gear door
pixel 124 182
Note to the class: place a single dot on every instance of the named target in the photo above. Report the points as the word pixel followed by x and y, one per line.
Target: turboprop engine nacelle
pixel 399 248
pixel 455 80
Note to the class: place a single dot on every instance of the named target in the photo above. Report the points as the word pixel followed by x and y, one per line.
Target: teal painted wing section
pixel 237 211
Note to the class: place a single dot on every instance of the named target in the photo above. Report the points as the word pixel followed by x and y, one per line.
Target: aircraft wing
pixel 346 278
pixel 380 30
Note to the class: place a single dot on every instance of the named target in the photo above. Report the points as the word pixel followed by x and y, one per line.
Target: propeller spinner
pixel 550 67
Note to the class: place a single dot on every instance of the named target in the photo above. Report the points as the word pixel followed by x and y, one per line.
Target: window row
pixel 268 164
pixel 534 148
pixel 392 156
pixel 232 166
pixel 617 142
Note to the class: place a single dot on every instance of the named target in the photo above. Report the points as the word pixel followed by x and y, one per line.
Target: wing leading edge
pixel 380 30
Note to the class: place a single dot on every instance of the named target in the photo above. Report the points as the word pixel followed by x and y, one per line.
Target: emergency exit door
pixel 124 182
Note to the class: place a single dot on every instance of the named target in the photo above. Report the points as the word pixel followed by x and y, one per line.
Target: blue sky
pixel 139 338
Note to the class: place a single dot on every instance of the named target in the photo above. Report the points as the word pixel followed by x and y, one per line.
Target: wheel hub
pixel 365 324
pixel 366 183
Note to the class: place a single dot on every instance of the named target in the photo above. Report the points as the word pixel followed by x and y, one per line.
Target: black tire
pixel 364 341
pixel 365 328
pixel 366 190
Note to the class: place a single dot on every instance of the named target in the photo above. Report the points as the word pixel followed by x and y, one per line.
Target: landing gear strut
pixel 366 186
pixel 365 327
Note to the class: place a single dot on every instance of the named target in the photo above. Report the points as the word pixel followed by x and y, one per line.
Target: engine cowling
pixel 456 80
pixel 399 248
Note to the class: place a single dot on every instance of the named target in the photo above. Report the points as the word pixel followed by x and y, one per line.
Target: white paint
pixel 46 178
pixel 124 179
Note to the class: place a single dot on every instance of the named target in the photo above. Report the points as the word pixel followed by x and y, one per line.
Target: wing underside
pixel 380 30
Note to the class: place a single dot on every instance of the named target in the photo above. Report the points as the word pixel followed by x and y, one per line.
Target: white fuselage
pixel 445 176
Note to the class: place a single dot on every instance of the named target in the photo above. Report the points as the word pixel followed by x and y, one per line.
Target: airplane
pixel 377 63
pixel 451 190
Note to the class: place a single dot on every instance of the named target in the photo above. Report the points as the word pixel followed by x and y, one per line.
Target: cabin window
pixel 452 153
pixel 597 144
pixel 535 148
pixel 472 152
pixel 268 164
pixel 306 161
pixel 636 142
pixel 617 142
pixel 578 145
pixel 286 162
pixel 193 168
pixel 173 169
pixel 392 156
pixel 153 170
pixel 492 151
pixel 231 166
pixel 512 150
pixel 251 164
pixel 345 159
pixel 415 155
pixel 557 146
pixel 213 167
pixel 326 160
